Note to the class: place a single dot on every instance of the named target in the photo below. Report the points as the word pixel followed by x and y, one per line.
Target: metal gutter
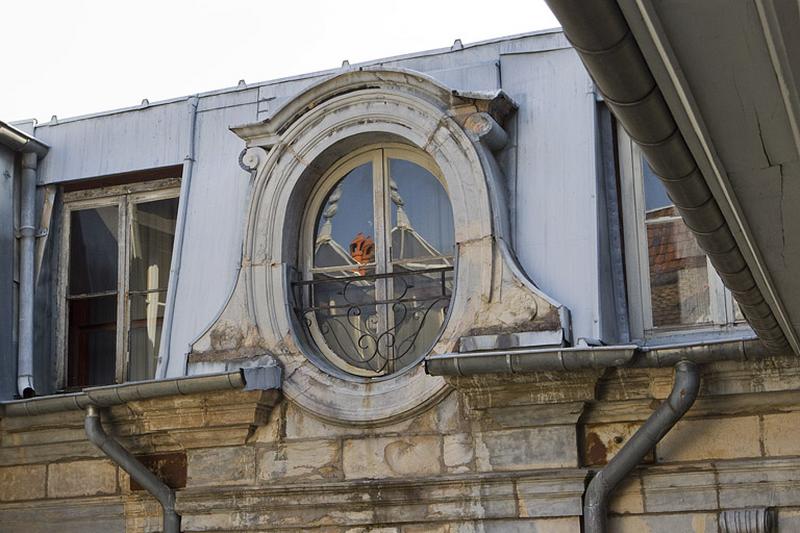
pixel 138 472
pixel 526 360
pixel 255 378
pixel 523 360
pixel 683 394
pixel 603 40
pixel 177 248
pixel 19 141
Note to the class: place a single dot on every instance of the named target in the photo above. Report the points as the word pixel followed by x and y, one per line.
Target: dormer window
pixel 377 261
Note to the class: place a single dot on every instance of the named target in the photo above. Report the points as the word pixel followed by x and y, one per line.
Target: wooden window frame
pixel 124 197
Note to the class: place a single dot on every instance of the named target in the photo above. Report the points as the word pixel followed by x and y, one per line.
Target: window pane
pixel 144 336
pixel 152 235
pixel 347 316
pixel 151 239
pixel 93 250
pixel 418 313
pixel 422 218
pixel 92 341
pixel 344 233
pixel 678 270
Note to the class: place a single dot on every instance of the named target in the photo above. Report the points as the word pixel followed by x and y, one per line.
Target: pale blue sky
pixel 74 57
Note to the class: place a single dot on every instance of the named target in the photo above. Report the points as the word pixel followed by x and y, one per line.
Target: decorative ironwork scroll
pixel 378 323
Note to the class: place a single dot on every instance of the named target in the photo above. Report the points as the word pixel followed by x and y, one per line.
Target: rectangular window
pixel 672 287
pixel 118 249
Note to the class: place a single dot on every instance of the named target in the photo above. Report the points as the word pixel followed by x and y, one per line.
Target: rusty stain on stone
pixel 596 451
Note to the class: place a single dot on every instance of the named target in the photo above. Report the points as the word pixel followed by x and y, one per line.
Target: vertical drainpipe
pixel 27 238
pixel 137 471
pixel 598 493
pixel 177 249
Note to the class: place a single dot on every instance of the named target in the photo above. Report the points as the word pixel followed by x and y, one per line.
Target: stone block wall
pixel 497 454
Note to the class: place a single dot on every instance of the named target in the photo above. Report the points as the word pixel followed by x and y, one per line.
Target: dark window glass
pixel 92 296
pixel 92 341
pixel 93 250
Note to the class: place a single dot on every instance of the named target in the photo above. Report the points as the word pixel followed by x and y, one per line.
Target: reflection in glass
pixel 419 311
pixel 93 250
pixel 92 296
pixel 144 334
pixel 679 290
pixel 347 316
pixel 422 218
pixel 91 341
pixel 375 302
pixel 345 226
pixel 151 239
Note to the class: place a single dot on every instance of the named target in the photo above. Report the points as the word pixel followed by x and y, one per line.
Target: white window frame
pixel 723 319
pixel 124 197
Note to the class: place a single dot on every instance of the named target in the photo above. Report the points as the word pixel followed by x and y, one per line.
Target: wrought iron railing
pixel 378 323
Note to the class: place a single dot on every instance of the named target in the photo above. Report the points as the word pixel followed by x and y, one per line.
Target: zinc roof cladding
pixel 307 75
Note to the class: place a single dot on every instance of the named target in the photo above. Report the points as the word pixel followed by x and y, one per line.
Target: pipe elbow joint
pixel 686 387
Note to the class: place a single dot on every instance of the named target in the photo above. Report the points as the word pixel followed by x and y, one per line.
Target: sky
pixel 70 58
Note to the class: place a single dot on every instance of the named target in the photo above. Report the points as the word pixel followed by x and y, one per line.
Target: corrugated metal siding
pixel 557 230
pixel 135 140
pixel 212 246
pixel 556 216
pixel 8 361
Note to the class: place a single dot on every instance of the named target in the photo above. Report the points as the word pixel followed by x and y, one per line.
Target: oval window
pixel 377 261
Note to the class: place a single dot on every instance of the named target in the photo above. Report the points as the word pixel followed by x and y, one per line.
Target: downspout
pixel 177 248
pixel 137 471
pixel 683 395
pixel 27 244
pixel 92 399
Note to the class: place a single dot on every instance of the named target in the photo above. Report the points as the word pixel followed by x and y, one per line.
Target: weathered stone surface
pixel 761 483
pixel 556 414
pixel 551 525
pixel 541 388
pixel 683 523
pixel 627 497
pixel 711 438
pixel 679 491
pixel 549 497
pixel 317 459
pixel 788 520
pixel 221 466
pixel 392 457
pixel 458 452
pixel 46 453
pixel 100 514
pixel 601 442
pixel 22 482
pixel 781 434
pixel 444 417
pixel 81 478
pixel 523 449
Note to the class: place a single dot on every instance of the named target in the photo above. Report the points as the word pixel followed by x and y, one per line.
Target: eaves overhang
pixel 611 53
pixel 19 141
